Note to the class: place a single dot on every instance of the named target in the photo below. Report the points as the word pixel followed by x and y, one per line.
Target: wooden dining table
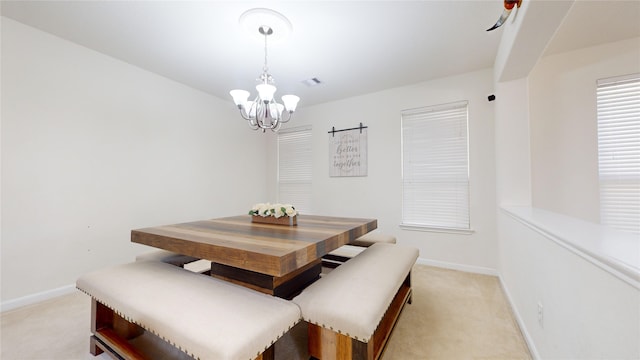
pixel 275 259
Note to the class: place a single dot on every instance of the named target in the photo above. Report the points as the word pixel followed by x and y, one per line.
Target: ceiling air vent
pixel 312 82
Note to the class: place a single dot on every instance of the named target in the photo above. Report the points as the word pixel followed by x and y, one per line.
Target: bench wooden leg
pixel 94 349
pixel 329 345
pixel 111 332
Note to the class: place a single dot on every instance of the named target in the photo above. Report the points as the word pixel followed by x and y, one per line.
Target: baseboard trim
pixel 459 267
pixel 523 328
pixel 36 298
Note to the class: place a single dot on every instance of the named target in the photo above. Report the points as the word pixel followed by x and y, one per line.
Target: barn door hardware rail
pixel 334 131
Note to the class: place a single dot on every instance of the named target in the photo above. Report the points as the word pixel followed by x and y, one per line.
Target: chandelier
pixel 264 112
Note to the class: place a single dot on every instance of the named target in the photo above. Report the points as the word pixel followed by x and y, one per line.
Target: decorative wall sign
pixel 348 152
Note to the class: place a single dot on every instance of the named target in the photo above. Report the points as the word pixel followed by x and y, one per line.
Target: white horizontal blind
pixel 619 152
pixel 294 168
pixel 435 167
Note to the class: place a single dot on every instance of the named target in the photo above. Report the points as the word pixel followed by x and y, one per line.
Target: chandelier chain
pixel 265 68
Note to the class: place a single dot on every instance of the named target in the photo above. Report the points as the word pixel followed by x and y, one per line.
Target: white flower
pixel 290 210
pixel 275 210
pixel 264 210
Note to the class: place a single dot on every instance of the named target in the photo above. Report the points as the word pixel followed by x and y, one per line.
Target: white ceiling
pixel 353 47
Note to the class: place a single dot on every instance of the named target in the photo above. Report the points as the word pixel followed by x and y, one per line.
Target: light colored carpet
pixel 454 315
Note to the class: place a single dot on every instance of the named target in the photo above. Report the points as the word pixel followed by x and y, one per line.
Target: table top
pixel 265 248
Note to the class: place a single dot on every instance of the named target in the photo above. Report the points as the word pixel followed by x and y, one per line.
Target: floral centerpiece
pixel 283 214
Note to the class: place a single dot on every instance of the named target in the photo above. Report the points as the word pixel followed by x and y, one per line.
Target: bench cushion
pixel 374 237
pixel 353 298
pixel 358 245
pixel 205 317
pixel 347 251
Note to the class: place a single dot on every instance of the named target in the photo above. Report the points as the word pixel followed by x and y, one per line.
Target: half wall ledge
pixel 614 251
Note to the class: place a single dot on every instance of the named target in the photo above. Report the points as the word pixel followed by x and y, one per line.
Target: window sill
pixel 436 229
pixel 615 251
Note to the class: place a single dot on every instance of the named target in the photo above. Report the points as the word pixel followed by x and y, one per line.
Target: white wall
pixel 547 152
pixel 588 313
pixel 513 157
pixel 564 142
pixel 378 195
pixel 93 147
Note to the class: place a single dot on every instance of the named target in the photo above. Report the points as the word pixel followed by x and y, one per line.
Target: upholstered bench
pixel 352 309
pixel 203 317
pixel 166 257
pixel 340 255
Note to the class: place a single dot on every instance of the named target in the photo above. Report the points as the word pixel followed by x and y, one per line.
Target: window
pixel 435 167
pixel 294 168
pixel 619 152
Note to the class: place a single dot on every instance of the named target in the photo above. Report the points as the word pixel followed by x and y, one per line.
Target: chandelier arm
pixel 253 124
pixel 243 113
pixel 273 123
pixel 288 116
pixel 277 126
